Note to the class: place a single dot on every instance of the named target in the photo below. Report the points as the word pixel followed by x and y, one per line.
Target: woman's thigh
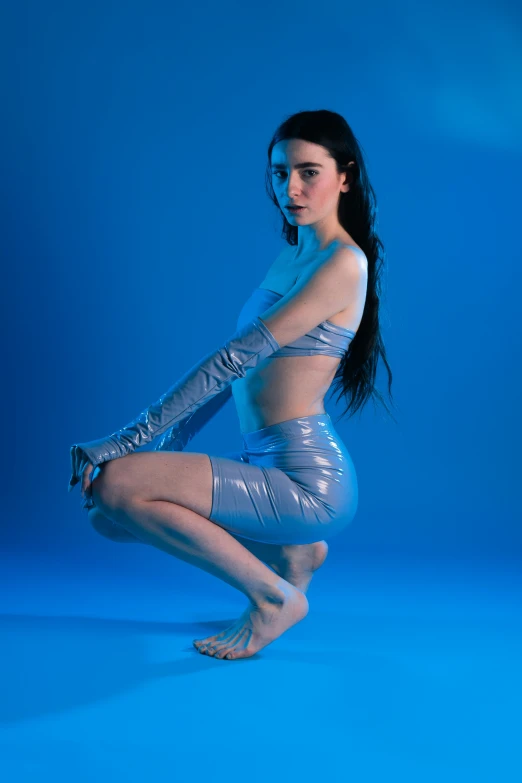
pixel 300 504
pixel 184 478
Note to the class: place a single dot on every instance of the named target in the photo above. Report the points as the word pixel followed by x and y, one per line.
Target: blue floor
pixel 400 672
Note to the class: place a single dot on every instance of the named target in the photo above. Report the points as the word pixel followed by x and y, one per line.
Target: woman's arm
pixel 322 294
pixel 243 351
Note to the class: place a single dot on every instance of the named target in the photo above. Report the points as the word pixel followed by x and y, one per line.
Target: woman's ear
pixel 349 178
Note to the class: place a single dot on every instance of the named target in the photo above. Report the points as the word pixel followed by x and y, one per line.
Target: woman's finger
pixel 79 462
pixel 86 479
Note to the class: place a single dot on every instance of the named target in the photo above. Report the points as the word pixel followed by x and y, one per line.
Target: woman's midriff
pixel 283 388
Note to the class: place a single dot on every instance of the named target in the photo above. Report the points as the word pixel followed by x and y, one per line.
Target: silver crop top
pixel 326 338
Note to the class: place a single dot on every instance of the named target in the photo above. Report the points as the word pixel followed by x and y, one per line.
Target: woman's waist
pixel 255 418
pixel 260 408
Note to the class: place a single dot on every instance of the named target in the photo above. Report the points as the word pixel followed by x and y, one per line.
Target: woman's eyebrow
pixel 297 165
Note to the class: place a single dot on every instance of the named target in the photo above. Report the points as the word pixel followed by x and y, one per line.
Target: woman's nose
pixel 292 188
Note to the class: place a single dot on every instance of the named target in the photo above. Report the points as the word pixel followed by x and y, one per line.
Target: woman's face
pixel 303 173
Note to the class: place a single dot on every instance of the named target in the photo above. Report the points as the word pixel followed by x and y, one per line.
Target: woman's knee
pixel 100 522
pixel 103 486
pixel 105 527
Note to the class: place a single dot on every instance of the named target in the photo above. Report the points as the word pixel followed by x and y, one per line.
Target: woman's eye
pixel 307 171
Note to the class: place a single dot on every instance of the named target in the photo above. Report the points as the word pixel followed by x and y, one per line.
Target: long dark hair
pixel 355 376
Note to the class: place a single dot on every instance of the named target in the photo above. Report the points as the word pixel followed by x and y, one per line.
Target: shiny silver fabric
pixel 327 338
pixel 177 437
pixel 250 344
pixel 293 483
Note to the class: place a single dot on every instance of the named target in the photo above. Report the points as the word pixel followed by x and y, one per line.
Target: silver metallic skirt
pixel 293 483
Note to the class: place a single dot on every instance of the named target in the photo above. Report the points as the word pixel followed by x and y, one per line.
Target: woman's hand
pixel 87 477
pixel 81 470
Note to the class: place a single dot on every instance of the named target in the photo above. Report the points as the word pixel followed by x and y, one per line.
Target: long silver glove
pixel 246 348
pixel 181 433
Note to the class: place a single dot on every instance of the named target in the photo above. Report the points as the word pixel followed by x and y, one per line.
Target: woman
pixel 313 320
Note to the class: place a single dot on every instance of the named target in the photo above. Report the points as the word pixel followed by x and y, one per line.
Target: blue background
pixel 135 224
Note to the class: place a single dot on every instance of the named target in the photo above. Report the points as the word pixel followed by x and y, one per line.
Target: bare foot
pixel 300 562
pixel 257 627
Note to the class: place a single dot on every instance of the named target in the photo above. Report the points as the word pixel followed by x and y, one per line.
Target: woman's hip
pixel 296 478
